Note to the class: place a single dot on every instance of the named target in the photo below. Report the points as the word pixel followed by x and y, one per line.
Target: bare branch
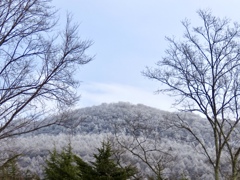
pixel 37 66
pixel 202 71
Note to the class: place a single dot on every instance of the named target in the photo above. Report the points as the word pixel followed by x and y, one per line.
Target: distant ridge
pixel 87 127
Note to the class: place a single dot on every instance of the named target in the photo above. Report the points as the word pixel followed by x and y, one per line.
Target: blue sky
pixel 129 35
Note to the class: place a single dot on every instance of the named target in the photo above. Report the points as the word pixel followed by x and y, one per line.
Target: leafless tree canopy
pixel 203 70
pixel 143 143
pixel 37 64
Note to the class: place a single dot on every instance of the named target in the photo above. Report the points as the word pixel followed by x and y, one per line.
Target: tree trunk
pixel 234 170
pixel 216 173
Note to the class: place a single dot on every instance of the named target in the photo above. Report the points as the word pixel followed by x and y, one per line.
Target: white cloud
pixel 98 93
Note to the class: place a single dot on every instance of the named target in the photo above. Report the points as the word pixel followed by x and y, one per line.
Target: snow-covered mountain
pixel 139 128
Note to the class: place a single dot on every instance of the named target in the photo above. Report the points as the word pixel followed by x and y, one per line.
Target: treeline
pixel 67 165
pixel 144 139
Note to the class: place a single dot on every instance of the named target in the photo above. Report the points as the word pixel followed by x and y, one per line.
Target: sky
pixel 127 36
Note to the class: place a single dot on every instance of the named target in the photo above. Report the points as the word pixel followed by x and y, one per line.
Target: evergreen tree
pixel 62 166
pixel 68 166
pixel 10 170
pixel 87 171
pixel 106 168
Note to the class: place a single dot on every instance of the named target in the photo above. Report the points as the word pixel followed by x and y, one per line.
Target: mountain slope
pixel 129 124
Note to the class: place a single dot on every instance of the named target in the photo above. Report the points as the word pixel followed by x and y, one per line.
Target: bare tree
pixel 203 71
pixel 143 143
pixel 37 65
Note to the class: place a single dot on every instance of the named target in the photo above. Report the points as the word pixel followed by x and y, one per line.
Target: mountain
pixel 141 129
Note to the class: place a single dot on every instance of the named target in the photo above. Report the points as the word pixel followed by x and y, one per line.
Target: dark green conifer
pixel 10 170
pixel 62 166
pixel 106 168
pixel 87 171
pixel 68 166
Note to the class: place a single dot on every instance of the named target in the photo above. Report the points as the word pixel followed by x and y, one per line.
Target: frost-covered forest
pixel 39 64
pixel 130 128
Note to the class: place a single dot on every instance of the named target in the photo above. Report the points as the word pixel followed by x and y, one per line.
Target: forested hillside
pixel 147 137
pixel 44 137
